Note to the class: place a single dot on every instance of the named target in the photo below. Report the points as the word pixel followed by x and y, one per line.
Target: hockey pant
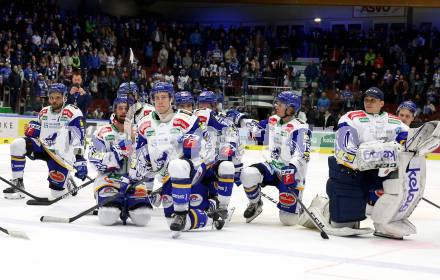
pixel 134 203
pixel 28 147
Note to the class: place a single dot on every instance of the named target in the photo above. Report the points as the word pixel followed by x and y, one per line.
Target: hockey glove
pixel 33 129
pixel 80 166
pixel 122 150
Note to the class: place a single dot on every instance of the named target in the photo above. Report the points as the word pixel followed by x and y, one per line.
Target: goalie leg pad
pixel 319 208
pixel 401 197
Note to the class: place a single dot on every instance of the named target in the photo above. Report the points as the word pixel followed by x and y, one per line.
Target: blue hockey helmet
pixel 290 99
pixel 58 87
pixel 127 88
pixel 409 105
pixel 207 96
pixel 183 97
pixel 122 98
pixel 162 87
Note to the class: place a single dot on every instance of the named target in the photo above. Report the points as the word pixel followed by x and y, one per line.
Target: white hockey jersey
pixel 63 132
pixel 289 143
pixel 159 142
pixel 357 127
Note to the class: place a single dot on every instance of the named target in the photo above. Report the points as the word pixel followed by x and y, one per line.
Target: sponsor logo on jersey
pixel 376 155
pixel 356 114
pixel 364 120
pixel 167 201
pixel 287 199
pixel 57 176
pixel 140 192
pixel 107 192
pixel 412 188
pixel 195 199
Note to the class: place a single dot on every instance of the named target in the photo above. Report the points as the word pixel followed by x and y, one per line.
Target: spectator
pixel 323 103
pixel 400 89
pixel 77 95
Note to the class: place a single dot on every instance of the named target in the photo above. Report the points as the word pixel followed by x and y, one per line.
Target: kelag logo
pixel 413 188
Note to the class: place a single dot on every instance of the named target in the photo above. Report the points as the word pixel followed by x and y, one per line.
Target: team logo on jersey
pixel 356 114
pixel 289 127
pixel 273 121
pixel 288 178
pixel 287 199
pixel 144 126
pixel 203 119
pixel 103 131
pixel 42 112
pixel 180 123
pixel 57 176
pixel 67 112
pixel 195 199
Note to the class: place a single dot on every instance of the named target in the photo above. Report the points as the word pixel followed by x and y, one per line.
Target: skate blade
pixel 13 196
pixel 176 234
pixel 257 213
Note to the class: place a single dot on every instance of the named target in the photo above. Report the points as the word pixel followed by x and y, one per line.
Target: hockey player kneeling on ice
pixel 369 156
pixel 60 131
pixel 109 153
pixel 285 166
pixel 168 143
pixel 223 157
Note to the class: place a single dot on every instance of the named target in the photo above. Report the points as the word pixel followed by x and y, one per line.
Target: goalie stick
pixel 314 219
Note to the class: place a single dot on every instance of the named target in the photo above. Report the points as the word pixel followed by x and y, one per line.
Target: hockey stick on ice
pixel 14 233
pixel 430 202
pixel 85 212
pixel 314 219
pixel 70 192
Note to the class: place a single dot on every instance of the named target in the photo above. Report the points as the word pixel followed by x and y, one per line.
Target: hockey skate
pixel 178 223
pixel 253 210
pixel 12 193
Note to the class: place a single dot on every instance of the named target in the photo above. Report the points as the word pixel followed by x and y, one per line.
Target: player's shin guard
pixel 226 172
pixel 180 174
pixel 251 179
pixel 18 159
pixel 198 219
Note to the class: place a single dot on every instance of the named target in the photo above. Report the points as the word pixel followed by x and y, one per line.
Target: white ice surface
pixel 263 249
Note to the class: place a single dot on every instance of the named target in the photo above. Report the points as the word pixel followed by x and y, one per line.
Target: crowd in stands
pixel 40 45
